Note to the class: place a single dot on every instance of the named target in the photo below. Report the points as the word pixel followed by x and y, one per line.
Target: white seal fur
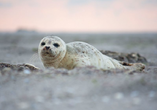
pixel 55 53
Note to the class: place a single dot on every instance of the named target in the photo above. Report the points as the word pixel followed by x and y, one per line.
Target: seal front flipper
pixel 133 66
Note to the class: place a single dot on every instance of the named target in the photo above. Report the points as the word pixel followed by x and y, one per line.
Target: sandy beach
pixel 81 88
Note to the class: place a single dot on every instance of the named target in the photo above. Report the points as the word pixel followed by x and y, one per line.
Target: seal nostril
pixel 47 48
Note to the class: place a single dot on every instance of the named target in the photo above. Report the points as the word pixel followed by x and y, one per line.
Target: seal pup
pixel 55 53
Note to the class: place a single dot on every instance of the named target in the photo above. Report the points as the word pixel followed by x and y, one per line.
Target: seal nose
pixel 47 47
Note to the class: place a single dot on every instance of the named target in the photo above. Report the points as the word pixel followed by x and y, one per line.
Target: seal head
pixel 51 50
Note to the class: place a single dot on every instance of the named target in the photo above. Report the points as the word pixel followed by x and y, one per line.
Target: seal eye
pixel 43 43
pixel 56 44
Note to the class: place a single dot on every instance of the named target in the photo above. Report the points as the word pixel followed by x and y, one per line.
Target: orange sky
pixel 79 15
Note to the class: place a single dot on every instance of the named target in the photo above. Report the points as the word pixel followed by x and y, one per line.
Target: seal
pixel 54 52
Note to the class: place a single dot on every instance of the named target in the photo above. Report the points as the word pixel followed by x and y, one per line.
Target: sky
pixel 79 15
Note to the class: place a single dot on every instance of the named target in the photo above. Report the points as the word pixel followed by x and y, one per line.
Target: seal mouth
pixel 48 53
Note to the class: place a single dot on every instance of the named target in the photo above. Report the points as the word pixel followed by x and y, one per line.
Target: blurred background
pixel 78 15
pixel 115 25
pixel 125 26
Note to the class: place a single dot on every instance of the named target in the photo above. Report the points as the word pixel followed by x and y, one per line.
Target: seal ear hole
pixel 43 43
pixel 56 44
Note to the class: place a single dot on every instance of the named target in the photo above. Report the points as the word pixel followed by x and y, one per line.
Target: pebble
pixel 119 95
pixel 6 70
pixel 27 71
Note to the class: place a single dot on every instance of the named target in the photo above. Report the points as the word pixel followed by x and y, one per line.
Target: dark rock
pixel 126 57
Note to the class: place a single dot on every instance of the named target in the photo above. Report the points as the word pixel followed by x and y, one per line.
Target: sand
pixel 80 88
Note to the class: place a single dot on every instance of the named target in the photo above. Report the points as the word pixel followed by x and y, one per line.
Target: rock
pixel 126 57
pixel 6 70
pixel 18 67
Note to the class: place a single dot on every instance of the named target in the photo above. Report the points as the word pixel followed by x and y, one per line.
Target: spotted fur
pixel 78 54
